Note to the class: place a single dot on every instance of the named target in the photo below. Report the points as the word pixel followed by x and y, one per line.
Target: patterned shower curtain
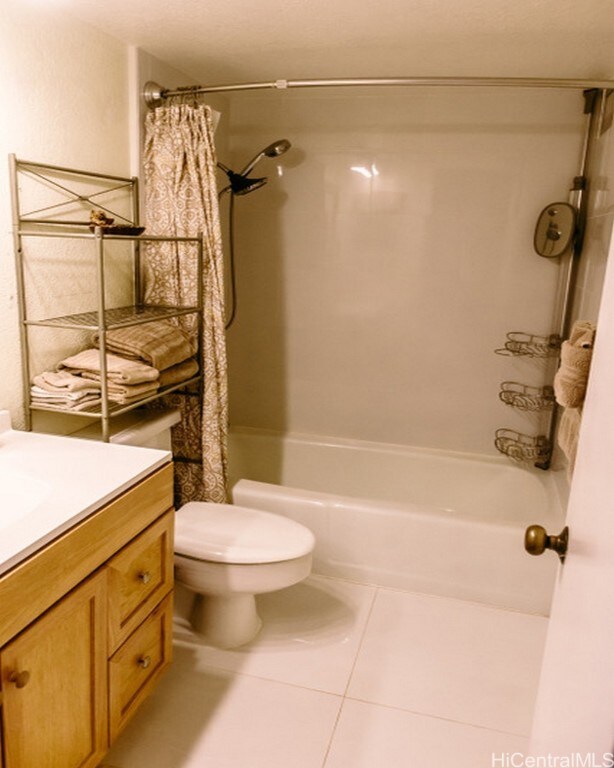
pixel 181 200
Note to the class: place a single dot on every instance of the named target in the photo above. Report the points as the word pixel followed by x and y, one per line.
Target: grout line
pixel 376 592
pixel 429 715
pixel 344 696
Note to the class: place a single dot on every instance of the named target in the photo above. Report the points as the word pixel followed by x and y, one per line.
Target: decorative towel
pixel 119 370
pixel 572 376
pixel 178 373
pixel 569 429
pixel 161 344
pixel 63 382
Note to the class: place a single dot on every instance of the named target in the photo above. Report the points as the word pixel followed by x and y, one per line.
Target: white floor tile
pixel 213 718
pixel 310 635
pixel 451 659
pixel 370 736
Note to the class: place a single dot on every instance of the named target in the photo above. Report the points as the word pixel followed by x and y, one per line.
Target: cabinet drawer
pixel 139 576
pixel 134 669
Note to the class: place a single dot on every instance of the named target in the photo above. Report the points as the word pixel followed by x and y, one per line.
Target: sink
pixel 20 494
pixel 49 483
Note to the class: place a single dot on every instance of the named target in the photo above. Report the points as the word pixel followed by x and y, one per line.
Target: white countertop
pixel 48 483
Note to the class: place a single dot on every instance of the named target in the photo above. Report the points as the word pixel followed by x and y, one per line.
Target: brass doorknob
pixel 537 541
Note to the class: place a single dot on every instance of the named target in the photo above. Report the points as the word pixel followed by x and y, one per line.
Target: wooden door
pixel 54 684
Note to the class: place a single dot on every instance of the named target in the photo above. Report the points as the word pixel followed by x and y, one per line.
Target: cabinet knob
pixel 144 577
pixel 20 679
pixel 144 661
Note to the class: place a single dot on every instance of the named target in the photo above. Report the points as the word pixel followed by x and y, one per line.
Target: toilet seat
pixel 225 533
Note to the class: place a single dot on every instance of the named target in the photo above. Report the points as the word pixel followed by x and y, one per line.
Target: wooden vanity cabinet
pixel 74 673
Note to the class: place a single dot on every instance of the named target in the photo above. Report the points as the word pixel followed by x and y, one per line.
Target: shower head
pixel 273 150
pixel 240 183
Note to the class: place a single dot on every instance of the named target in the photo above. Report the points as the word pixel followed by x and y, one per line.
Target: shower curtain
pixel 181 200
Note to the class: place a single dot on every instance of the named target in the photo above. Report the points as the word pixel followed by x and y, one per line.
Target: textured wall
pixel 64 102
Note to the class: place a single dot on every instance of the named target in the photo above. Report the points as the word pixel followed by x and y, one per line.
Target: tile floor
pixel 345 675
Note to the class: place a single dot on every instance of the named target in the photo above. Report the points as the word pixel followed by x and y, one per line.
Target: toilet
pixel 224 554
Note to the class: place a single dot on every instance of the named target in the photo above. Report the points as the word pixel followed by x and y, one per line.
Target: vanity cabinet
pixel 85 631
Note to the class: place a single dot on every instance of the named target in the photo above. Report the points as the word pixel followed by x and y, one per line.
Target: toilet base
pixel 226 621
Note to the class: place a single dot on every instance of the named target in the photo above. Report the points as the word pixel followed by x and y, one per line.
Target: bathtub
pixel 415 519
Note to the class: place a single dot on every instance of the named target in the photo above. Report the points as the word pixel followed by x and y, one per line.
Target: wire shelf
pixel 525 397
pixel 521 448
pixel 520 344
pixel 115 318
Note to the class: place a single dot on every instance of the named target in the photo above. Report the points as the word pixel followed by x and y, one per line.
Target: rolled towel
pixel 567 436
pixel 119 370
pixel 572 376
pixel 161 344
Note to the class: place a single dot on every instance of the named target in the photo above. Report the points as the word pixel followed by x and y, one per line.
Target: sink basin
pixel 20 494
pixel 49 483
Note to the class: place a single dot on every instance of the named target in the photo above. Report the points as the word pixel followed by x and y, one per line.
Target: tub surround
pixel 49 483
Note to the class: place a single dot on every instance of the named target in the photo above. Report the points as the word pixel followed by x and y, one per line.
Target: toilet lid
pixel 225 533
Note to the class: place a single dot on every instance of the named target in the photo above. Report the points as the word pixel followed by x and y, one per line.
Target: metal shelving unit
pixel 79 191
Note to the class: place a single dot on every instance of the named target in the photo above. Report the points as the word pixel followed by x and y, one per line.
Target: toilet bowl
pixel 226 555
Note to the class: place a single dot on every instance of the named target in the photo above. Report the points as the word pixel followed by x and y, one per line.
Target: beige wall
pixel 64 102
pixel 370 306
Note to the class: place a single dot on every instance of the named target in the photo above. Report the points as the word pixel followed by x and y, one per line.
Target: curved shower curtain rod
pixel 154 94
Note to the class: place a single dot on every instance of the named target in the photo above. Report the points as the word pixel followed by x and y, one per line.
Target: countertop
pixel 48 483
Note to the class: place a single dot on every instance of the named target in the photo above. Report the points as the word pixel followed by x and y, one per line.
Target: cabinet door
pixel 54 684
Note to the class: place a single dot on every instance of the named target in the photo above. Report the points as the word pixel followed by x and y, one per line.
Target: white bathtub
pixel 416 519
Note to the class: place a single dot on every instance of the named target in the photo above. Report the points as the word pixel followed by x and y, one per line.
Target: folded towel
pixel 178 373
pixel 119 370
pixel 161 344
pixel 567 437
pixel 572 376
pixel 123 393
pixel 62 381
pixel 60 404
pixel 68 397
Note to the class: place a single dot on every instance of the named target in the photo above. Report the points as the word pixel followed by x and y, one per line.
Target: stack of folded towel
pixel 570 384
pixel 139 361
pixel 63 391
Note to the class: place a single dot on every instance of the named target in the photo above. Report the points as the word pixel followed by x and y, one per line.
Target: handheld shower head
pixel 240 183
pixel 273 150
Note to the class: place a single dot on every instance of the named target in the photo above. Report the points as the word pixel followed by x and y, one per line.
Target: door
pixel 575 702
pixel 54 685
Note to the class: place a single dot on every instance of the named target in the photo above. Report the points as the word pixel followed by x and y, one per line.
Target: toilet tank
pixel 142 427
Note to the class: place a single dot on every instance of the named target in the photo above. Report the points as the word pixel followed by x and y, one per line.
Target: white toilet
pixel 224 554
